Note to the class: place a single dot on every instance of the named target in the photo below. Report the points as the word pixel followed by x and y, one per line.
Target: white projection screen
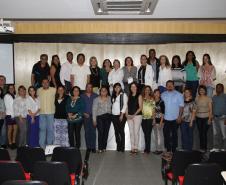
pixel 7 62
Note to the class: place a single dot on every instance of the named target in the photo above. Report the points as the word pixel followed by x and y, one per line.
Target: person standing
pixel 178 73
pixel 46 96
pixel 65 72
pixel 90 131
pixel 145 74
pixel 154 62
pixel 158 122
pixel 207 74
pixel 2 109
pixel 10 120
pixel 188 118
pixel 60 118
pixel 102 117
pixel 75 107
pixel 129 74
pixel 174 103
pixel 55 71
pixel 104 72
pixel 95 74
pixel 164 73
pixel 3 84
pixel 119 106
pixel 203 115
pixel 219 117
pixel 191 67
pixel 40 71
pixel 20 113
pixel 116 75
pixel 148 111
pixel 134 116
pixel 33 109
pixel 80 73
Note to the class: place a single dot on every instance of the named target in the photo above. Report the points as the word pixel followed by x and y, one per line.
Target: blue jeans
pixel 193 85
pixel 186 136
pixel 90 133
pixel 46 131
pixel 209 91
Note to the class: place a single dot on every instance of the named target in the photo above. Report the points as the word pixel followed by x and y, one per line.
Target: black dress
pixel 95 76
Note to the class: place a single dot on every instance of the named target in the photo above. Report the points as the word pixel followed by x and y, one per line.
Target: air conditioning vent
pixel 127 7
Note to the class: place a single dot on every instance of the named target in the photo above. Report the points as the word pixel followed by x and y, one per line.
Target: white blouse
pixel 165 74
pixel 116 76
pixel 32 104
pixel 20 107
pixel 8 99
pixel 116 105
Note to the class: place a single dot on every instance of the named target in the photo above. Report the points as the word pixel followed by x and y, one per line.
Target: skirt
pixel 61 132
pixel 33 131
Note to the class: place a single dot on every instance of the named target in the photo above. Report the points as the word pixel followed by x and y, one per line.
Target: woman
pixel 55 71
pixel 116 75
pixel 188 117
pixel 119 106
pixel 75 109
pixel 164 73
pixel 178 73
pixel 134 116
pixel 60 118
pixel 203 115
pixel 95 73
pixel 102 117
pixel 20 113
pixel 158 122
pixel 10 120
pixel 104 72
pixel 147 116
pixel 33 109
pixel 2 109
pixel 145 74
pixel 207 74
pixel 129 74
pixel 191 67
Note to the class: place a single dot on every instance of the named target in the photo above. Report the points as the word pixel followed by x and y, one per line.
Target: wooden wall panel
pixel 188 27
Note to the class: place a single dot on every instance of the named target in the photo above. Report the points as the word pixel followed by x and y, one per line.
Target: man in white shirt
pixel 65 72
pixel 80 73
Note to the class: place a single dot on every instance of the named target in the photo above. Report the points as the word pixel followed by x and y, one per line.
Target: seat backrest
pixel 28 156
pixel 11 170
pixel 182 159
pixel 203 174
pixel 54 173
pixel 218 157
pixel 70 155
pixel 4 154
pixel 24 182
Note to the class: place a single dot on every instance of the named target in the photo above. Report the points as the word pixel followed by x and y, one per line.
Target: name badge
pixel 130 80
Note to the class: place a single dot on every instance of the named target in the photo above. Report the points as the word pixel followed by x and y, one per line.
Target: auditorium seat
pixel 54 173
pixel 180 161
pixel 203 174
pixel 218 157
pixel 24 182
pixel 11 170
pixel 4 154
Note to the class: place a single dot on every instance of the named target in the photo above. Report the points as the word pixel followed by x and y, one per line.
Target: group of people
pixel 156 96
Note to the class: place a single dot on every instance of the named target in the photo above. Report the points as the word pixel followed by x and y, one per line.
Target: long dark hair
pixel 32 87
pixel 179 60
pixel 53 64
pixel 106 60
pixel 57 94
pixel 130 92
pixel 194 61
pixel 143 91
pixel 14 93
pixel 114 95
pixel 127 59
pixel 208 56
pixel 202 87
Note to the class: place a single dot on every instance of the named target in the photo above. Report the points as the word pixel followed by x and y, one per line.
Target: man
pixel 219 117
pixel 3 137
pixel 40 71
pixel 155 63
pixel 80 73
pixel 47 109
pixel 174 103
pixel 65 72
pixel 90 130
